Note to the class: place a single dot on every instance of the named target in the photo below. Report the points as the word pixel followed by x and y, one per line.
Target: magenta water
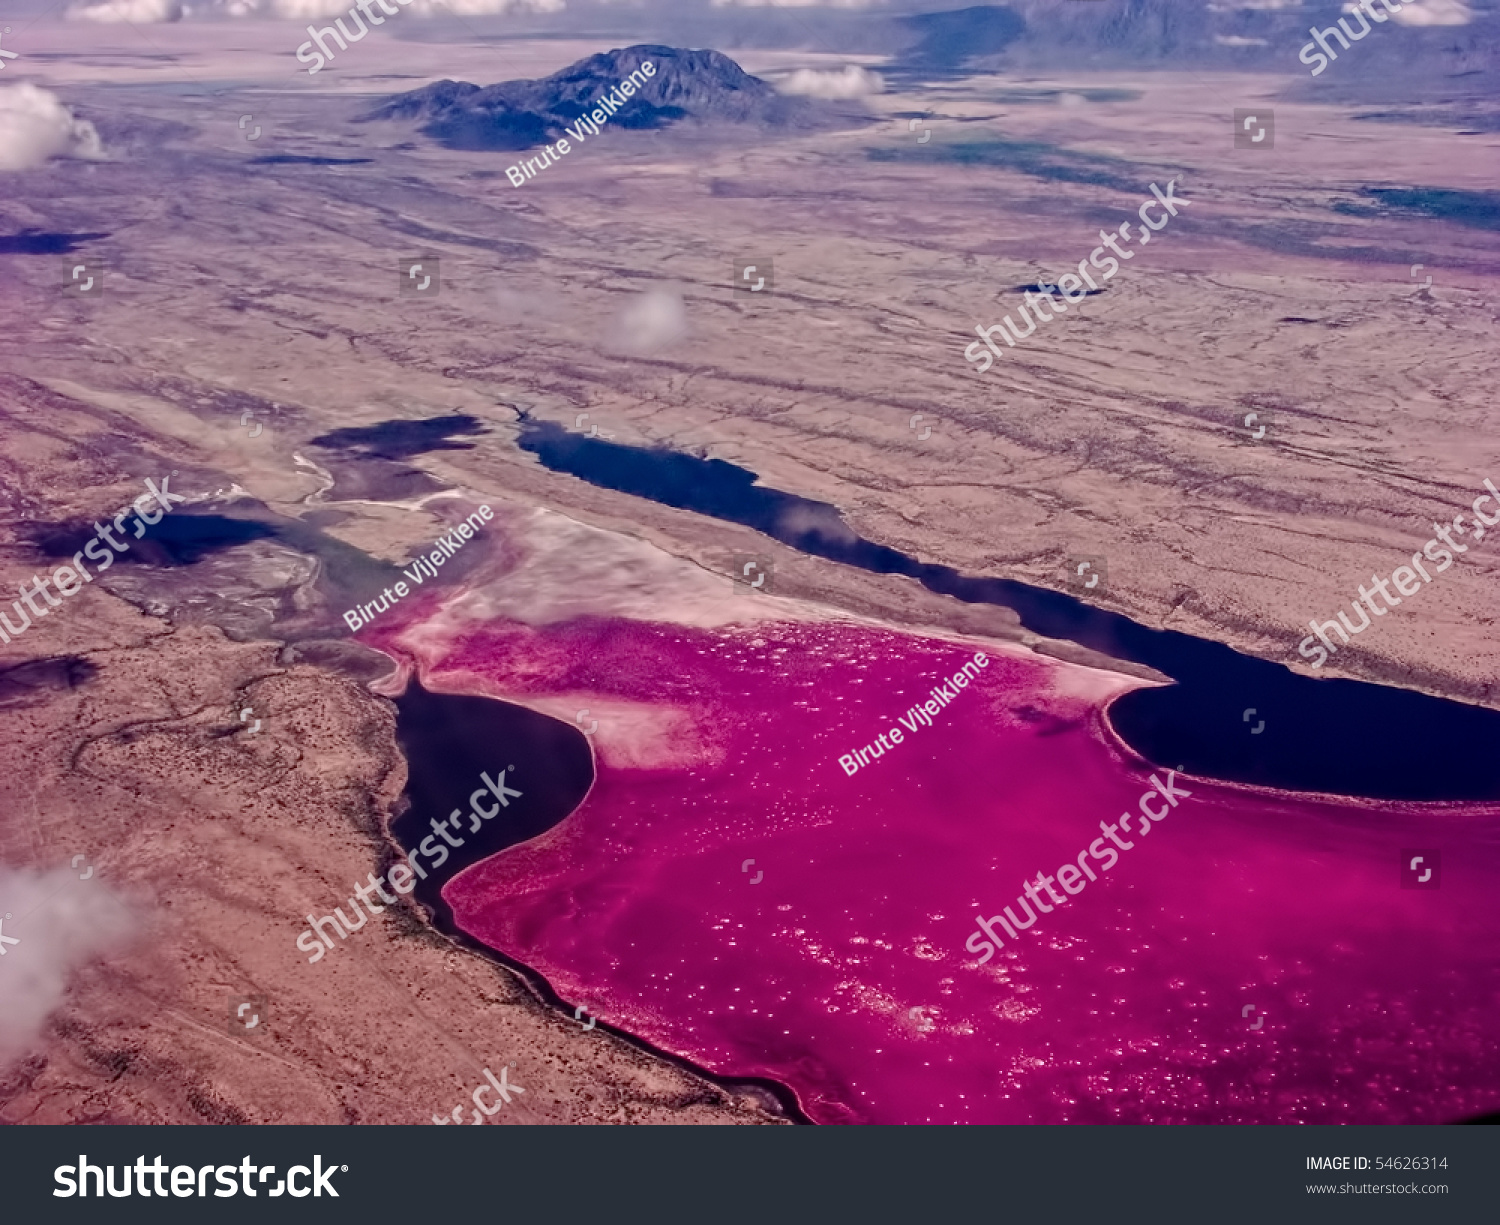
pixel 1338 737
pixel 1253 958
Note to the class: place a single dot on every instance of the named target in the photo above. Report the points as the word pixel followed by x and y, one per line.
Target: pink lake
pixel 1367 1002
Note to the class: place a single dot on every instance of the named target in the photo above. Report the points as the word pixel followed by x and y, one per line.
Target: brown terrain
pixel 234 287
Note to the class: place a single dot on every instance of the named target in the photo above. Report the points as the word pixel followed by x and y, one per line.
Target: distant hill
pixel 1229 35
pixel 688 85
pixel 952 38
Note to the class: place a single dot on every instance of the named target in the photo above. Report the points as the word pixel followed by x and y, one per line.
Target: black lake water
pixel 1343 737
pixel 449 741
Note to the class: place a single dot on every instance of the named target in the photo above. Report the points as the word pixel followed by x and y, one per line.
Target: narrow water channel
pixel 1340 737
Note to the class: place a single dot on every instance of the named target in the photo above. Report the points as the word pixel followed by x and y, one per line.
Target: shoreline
pixel 435 912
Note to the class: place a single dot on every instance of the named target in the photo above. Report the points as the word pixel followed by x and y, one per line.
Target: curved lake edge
pixel 1329 736
pixel 773 1096
pixel 1132 756
pixel 776 1097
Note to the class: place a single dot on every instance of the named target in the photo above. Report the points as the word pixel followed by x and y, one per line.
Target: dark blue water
pixel 449 741
pixel 179 539
pixel 38 242
pixel 404 438
pixel 1337 736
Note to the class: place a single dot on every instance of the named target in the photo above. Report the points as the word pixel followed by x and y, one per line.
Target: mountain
pixel 952 38
pixel 688 85
pixel 1436 49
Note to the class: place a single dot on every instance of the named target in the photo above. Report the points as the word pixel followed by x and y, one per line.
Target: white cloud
pixel 318 10
pixel 1433 13
pixel 308 10
pixel 60 923
pixel 137 12
pixel 798 4
pixel 650 322
pixel 479 8
pixel 35 126
pixel 849 81
pixel 532 304
pixel 1236 40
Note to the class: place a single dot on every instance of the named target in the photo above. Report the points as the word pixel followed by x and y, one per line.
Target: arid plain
pixel 235 284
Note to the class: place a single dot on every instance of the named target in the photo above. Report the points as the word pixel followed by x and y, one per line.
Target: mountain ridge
pixel 700 85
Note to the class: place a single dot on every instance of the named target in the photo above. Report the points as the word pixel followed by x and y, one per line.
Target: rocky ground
pixel 272 288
